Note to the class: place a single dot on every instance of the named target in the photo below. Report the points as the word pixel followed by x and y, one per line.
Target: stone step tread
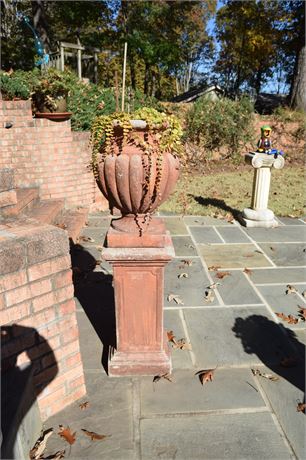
pixel 26 197
pixel 46 211
pixel 72 220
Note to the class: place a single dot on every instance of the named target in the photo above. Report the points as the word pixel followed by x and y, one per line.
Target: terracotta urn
pixel 136 181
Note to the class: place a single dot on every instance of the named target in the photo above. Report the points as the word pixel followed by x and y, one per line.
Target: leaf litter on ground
pixel 221 275
pixel 213 268
pixel 166 376
pixel 291 289
pixel 40 445
pixel 84 405
pixel 95 436
pixel 205 375
pixel 290 319
pixel 67 434
pixel 248 271
pixel 183 275
pixel 176 299
pixel 179 344
pixel 271 377
pixel 209 296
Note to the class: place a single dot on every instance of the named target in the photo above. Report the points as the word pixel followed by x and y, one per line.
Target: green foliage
pixel 214 125
pixel 14 85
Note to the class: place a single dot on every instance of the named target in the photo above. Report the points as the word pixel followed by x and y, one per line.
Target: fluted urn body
pixel 137 180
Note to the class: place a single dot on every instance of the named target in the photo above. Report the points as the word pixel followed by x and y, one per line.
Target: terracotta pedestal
pixel 138 270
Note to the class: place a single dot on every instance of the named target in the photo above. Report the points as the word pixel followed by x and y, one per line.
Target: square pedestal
pixel 139 286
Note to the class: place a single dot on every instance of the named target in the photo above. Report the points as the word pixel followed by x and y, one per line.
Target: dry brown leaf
pixel 213 268
pixel 302 313
pixel 301 407
pixel 229 217
pixel 304 293
pixel 181 344
pixel 289 361
pixel 86 239
pixel 221 275
pixel 205 375
pixel 67 434
pixel 248 271
pixel 95 436
pixel 57 456
pixel 271 377
pixel 290 289
pixel 213 285
pixel 209 296
pixel 167 376
pixel 187 262
pixel 176 299
pixel 40 445
pixel 290 319
pixel 84 405
pixel 183 275
pixel 62 226
pixel 170 336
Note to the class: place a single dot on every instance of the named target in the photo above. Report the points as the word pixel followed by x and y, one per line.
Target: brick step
pixel 72 220
pixel 46 211
pixel 26 198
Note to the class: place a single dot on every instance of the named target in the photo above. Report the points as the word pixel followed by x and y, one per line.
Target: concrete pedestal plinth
pixel 259 215
pixel 139 287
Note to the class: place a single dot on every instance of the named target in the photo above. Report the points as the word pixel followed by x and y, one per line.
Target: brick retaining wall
pixel 46 154
pixel 37 312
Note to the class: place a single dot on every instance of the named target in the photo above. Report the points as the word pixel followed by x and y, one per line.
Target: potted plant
pixel 49 94
pixel 135 159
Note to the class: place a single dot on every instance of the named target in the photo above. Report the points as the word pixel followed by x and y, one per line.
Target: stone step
pixel 72 220
pixel 46 211
pixel 26 198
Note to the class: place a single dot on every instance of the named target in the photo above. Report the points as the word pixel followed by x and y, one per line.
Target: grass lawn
pixel 225 192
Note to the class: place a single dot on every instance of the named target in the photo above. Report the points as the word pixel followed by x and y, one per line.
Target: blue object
pixel 44 57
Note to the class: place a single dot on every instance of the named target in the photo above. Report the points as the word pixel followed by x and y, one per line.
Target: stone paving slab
pixel 230 436
pixel 97 234
pixel 233 235
pixel 184 246
pixel 191 290
pixel 278 275
pixel 230 389
pixel 277 299
pixel 233 256
pixel 172 322
pixel 290 221
pixel 235 336
pixel 284 396
pixel 285 254
pixel 176 226
pixel 205 235
pixel 286 233
pixel 109 412
pixel 99 221
pixel 205 220
pixel 236 289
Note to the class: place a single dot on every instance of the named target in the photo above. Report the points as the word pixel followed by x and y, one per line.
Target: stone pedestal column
pixel 138 272
pixel 259 215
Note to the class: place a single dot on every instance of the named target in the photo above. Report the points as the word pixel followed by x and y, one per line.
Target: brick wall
pixel 37 312
pixel 46 154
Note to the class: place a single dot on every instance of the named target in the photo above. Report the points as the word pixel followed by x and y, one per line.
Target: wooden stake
pixel 123 76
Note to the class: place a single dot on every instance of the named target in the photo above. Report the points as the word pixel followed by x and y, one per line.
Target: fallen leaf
pixel 40 445
pixel 209 296
pixel 86 239
pixel 95 436
pixel 214 268
pixel 98 262
pixel 259 252
pixel 57 456
pixel 290 289
pixel 304 293
pixel 222 275
pixel 163 376
pixel 265 375
pixel 183 275
pixel 301 407
pixel 176 299
pixel 248 271
pixel 84 405
pixel 187 262
pixel 205 375
pixel 63 226
pixel 289 361
pixel 290 319
pixel 66 434
pixel 170 336
pixel 213 285
pixel 229 218
pixel 181 344
pixel 302 313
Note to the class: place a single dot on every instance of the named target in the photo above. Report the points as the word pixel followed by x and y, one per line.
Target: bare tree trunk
pixel 298 87
pixel 40 22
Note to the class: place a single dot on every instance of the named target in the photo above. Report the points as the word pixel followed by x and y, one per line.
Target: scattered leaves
pixel 221 275
pixel 209 296
pixel 290 319
pixel 213 285
pixel 95 436
pixel 86 239
pixel 67 434
pixel 205 375
pixel 302 313
pixel 171 336
pixel 187 262
pixel 248 271
pixel 265 375
pixel 62 226
pixel 40 445
pixel 176 299
pixel 84 405
pixel 181 344
pixel 214 268
pixel 301 407
pixel 290 289
pixel 183 275
pixel 167 376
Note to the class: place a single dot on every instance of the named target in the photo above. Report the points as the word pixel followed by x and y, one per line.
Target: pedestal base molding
pixel 263 218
